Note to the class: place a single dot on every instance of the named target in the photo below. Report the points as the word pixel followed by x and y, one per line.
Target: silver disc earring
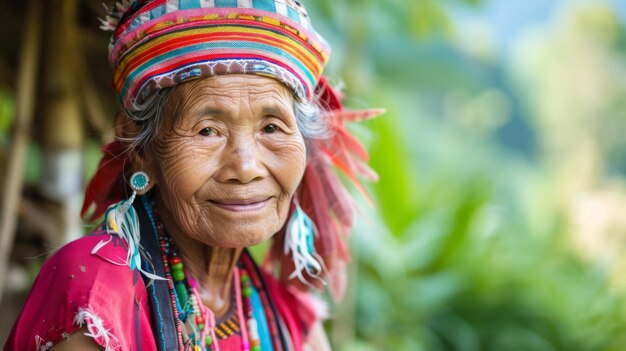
pixel 139 181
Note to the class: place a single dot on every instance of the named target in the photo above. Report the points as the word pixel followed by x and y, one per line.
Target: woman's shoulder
pixel 98 248
pixel 84 283
pixel 93 261
pixel 92 271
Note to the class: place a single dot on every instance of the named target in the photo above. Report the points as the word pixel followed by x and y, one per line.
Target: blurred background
pixel 500 215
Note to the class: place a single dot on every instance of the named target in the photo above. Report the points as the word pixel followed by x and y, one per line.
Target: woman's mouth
pixel 241 205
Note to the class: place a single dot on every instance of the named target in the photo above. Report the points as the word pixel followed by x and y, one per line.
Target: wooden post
pixel 63 131
pixel 92 105
pixel 25 101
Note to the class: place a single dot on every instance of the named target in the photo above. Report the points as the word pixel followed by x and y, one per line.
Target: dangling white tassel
pixel 299 236
pixel 122 219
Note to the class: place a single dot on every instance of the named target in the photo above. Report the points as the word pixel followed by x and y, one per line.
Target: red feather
pixel 344 141
pixel 356 116
pixel 338 198
pixel 329 99
pixel 107 185
pixel 340 161
pixel 322 194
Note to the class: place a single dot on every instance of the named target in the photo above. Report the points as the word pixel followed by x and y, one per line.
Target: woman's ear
pixel 141 159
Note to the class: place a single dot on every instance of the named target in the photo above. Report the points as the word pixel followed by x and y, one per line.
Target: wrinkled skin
pixel 228 160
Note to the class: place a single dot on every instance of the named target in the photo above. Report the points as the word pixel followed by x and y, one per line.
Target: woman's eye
pixel 270 128
pixel 207 131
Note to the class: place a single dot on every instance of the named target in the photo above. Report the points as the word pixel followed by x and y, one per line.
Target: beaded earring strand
pixel 299 236
pixel 122 219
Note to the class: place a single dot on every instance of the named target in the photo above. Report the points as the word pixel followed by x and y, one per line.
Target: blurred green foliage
pixel 473 244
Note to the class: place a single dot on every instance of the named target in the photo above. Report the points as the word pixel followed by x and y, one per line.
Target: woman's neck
pixel 211 267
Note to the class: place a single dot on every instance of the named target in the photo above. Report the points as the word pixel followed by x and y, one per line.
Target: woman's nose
pixel 242 163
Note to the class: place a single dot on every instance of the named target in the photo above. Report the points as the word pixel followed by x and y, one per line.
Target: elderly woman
pixel 227 138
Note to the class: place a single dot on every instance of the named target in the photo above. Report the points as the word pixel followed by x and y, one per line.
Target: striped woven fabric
pixel 161 43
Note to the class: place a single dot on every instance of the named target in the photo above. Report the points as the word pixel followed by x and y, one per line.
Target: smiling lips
pixel 242 205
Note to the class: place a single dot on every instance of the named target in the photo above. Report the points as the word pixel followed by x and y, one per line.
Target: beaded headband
pixel 161 43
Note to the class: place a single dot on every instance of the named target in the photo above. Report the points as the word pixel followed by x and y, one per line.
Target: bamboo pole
pixel 25 101
pixel 63 128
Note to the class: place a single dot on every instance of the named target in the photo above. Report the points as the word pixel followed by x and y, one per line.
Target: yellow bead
pixel 111 222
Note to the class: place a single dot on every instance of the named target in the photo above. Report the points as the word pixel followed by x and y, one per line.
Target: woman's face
pixel 228 159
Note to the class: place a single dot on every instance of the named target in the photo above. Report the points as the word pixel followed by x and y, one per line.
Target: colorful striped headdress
pixel 161 43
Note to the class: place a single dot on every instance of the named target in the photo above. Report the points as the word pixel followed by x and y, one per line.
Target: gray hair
pixel 312 123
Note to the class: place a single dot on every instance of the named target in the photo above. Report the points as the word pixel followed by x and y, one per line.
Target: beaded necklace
pixel 195 323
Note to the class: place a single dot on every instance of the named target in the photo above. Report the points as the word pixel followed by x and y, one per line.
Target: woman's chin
pixel 240 235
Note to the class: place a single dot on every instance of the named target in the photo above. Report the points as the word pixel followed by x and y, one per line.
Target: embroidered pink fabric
pixel 77 288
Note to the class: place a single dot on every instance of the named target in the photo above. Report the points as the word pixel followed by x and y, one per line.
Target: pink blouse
pixel 76 288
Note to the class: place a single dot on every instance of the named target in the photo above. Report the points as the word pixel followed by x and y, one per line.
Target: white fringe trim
pixel 41 344
pixel 96 328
